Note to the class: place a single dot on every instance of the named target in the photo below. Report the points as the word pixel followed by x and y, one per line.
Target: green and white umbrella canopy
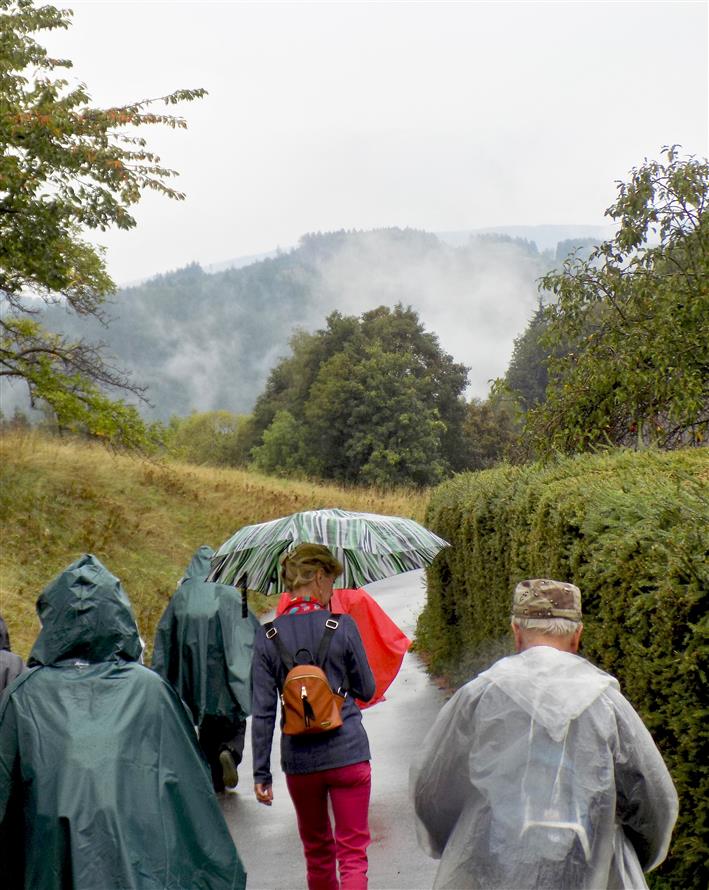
pixel 369 546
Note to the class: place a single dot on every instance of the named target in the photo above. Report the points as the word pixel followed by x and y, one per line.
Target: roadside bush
pixel 632 530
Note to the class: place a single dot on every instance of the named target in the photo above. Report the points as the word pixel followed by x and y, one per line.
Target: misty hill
pixel 546 237
pixel 204 341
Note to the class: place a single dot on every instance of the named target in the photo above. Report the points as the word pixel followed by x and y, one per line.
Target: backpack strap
pixel 272 634
pixel 331 626
pixel 289 662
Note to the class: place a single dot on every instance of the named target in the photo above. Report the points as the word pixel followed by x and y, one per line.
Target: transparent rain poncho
pixel 539 774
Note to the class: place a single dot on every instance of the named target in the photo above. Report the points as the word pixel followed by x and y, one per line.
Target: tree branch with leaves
pixel 637 313
pixel 66 167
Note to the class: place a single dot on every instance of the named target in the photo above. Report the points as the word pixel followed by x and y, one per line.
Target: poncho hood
pixel 200 565
pixel 85 615
pixel 204 644
pixel 552 686
pixel 4 636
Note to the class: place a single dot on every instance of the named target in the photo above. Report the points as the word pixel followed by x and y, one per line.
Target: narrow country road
pixel 267 838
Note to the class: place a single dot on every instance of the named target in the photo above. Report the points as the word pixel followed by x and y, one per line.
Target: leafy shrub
pixel 283 451
pixel 631 529
pixel 213 438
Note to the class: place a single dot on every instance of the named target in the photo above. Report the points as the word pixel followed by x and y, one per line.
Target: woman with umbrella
pixel 370 547
pixel 325 766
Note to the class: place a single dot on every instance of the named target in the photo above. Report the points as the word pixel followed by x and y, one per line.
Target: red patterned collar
pixel 298 605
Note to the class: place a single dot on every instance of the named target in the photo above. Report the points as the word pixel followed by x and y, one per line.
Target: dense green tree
pixel 638 311
pixel 491 429
pixel 216 438
pixel 526 376
pixel 374 398
pixel 288 384
pixel 371 421
pixel 65 166
pixel 440 380
pixel 283 451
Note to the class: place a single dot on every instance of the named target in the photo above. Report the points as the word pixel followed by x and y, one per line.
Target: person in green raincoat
pixel 102 783
pixel 203 646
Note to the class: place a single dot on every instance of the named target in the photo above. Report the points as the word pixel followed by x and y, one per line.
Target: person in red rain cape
pixel 384 643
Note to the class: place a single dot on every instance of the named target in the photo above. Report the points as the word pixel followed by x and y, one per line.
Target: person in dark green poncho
pixel 203 646
pixel 11 665
pixel 102 783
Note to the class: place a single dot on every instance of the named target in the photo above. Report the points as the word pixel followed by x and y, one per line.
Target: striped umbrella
pixel 369 546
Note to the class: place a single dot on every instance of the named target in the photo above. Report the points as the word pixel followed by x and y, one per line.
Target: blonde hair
pixel 300 566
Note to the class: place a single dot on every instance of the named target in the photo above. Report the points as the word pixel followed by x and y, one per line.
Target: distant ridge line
pixel 546 237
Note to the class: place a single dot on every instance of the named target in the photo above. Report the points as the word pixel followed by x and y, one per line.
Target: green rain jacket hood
pixel 200 564
pixel 85 615
pixel 204 644
pixel 102 783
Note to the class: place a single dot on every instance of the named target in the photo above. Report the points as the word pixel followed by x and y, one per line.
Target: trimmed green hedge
pixel 632 531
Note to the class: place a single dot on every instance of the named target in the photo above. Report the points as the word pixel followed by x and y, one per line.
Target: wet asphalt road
pixel 267 837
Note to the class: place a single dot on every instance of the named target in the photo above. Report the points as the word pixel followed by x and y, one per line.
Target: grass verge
pixel 60 498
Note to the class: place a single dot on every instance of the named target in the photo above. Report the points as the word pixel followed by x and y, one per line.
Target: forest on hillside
pixel 202 342
pixel 358 356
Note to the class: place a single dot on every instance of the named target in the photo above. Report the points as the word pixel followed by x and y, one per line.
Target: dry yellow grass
pixel 143 520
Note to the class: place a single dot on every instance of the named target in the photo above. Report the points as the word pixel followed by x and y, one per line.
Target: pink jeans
pixel 348 789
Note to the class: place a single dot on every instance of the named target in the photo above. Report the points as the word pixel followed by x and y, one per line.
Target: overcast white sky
pixel 439 116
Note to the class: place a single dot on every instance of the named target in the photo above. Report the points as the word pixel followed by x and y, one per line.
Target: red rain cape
pixel 384 643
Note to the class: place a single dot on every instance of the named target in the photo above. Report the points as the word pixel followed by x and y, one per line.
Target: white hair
pixel 553 627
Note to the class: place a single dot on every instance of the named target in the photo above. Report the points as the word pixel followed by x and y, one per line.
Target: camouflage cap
pixel 543 598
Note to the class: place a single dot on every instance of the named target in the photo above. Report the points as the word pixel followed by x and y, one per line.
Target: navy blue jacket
pixel 346 667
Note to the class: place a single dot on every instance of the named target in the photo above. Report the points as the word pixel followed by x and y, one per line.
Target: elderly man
pixel 539 773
